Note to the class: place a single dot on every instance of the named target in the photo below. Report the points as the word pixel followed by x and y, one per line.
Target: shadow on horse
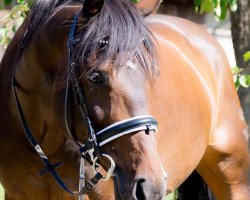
pixel 145 99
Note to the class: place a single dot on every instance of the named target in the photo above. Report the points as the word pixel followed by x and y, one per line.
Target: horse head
pixel 113 61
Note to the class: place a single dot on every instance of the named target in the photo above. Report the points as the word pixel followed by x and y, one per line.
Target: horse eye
pixel 97 77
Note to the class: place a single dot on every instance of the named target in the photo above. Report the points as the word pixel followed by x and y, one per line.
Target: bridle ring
pixel 111 169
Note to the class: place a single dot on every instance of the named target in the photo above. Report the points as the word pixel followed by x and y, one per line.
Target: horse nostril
pixel 139 191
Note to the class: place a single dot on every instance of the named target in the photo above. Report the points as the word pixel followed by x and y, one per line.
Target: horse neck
pixel 35 76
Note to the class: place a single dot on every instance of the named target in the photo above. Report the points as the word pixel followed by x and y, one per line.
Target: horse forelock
pixel 121 24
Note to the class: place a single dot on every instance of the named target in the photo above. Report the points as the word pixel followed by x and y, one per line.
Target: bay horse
pixel 99 70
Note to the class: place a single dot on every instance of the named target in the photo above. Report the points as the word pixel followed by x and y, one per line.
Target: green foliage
pixel 1 193
pixel 12 20
pixel 172 196
pixel 218 7
pixel 246 56
pixel 241 78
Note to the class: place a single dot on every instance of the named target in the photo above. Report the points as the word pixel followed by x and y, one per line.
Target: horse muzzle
pixel 144 187
pixel 139 174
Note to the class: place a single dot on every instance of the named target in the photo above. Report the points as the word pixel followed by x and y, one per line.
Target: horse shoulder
pixel 199 45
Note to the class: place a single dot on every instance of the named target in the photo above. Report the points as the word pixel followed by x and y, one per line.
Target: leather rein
pixel 90 149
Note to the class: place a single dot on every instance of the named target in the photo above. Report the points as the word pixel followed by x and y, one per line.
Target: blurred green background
pixel 1 193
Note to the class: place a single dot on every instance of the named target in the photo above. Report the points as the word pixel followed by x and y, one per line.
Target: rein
pixel 91 149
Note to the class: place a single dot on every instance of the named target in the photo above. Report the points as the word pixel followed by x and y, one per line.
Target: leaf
pixel 240 80
pixel 246 56
pixel 223 6
pixel 236 70
pixel 215 3
pixel 14 29
pixel 20 8
pixel 217 13
pixel 197 3
pixel 21 1
pixel 237 84
pixel 244 81
pixel 233 5
pixel 206 6
pixel 134 1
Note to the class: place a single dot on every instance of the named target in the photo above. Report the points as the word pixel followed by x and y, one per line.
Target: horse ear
pixel 91 8
pixel 147 7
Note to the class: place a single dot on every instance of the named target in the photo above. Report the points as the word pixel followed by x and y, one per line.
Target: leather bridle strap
pixel 49 166
pixel 69 44
pixel 80 100
pixel 78 91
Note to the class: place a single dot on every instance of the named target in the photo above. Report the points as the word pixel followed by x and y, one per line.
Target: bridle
pixel 90 149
